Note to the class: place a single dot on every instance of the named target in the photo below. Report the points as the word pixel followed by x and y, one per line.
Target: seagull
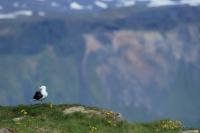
pixel 40 94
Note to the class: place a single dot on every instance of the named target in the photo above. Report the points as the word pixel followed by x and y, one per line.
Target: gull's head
pixel 43 88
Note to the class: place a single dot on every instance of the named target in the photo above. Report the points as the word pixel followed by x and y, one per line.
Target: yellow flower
pixel 23 110
pixel 93 128
pixel 169 124
pixel 109 113
pixel 25 113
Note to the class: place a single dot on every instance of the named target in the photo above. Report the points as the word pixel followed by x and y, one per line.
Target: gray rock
pixel 5 130
pixel 80 109
pixel 18 119
pixel 191 131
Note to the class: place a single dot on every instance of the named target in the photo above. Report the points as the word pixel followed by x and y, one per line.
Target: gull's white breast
pixel 44 93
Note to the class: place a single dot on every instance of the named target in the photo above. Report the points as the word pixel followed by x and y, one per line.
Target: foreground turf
pixel 50 118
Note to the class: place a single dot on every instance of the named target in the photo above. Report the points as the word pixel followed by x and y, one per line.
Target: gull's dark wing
pixel 38 95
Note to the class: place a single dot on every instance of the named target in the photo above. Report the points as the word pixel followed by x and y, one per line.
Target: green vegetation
pixel 48 118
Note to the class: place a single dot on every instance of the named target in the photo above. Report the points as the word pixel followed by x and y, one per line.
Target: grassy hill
pixel 48 118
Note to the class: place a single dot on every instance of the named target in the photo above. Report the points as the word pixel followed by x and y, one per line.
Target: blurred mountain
pixel 142 62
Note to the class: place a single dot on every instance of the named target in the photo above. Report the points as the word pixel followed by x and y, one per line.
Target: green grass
pixel 47 119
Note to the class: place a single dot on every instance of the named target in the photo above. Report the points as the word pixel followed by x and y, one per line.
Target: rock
pixel 74 109
pixel 191 131
pixel 80 109
pixel 5 130
pixel 118 116
pixel 18 119
pixel 91 112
